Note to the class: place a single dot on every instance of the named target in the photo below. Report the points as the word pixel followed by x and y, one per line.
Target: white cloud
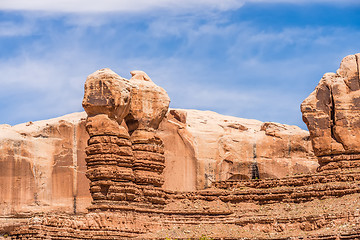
pixel 97 6
pixel 10 29
pixel 49 82
pixel 305 1
pixel 83 6
pixel 43 86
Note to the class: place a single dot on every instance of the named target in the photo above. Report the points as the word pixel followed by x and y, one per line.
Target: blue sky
pixel 251 59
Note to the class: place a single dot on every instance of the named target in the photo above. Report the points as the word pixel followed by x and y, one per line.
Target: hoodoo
pixel 148 106
pixel 109 154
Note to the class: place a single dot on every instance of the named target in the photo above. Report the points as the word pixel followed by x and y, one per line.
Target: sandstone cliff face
pixel 331 114
pixel 204 147
pixel 42 166
pixel 43 163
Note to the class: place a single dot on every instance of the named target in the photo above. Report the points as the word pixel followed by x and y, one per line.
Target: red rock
pixel 213 147
pixel 177 173
pixel 43 167
pixel 106 93
pixel 149 103
pixel 184 156
pixel 331 111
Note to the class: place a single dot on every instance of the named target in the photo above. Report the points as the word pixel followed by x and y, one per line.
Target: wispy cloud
pixel 39 87
pixel 95 6
pixel 10 29
pixel 82 6
pixel 206 62
pixel 304 1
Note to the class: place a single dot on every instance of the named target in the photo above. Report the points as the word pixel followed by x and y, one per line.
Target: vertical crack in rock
pixel 254 169
pixel 75 166
pixel 333 120
pixel 36 194
pixel 254 151
pixel 332 116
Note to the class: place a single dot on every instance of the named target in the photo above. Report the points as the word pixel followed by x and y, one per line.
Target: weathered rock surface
pixel 204 147
pixel 109 153
pixel 148 106
pixel 42 166
pixel 39 160
pixel 107 93
pixel 331 113
pixel 149 103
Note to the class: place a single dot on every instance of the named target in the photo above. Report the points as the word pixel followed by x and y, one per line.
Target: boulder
pixel 149 103
pixel 107 93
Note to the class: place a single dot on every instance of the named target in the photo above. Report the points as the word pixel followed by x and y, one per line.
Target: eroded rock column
pixel 109 153
pixel 331 114
pixel 149 104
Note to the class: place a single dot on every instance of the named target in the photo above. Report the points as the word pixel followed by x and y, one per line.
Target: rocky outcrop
pixel 331 114
pixel 44 181
pixel 148 106
pixel 205 147
pixel 43 168
pixel 109 154
pixel 125 164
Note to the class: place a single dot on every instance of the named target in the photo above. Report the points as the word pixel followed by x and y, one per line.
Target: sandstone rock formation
pixel 205 147
pixel 148 106
pixel 42 166
pixel 107 93
pixel 331 114
pixel 109 154
pixel 44 181
pixel 224 177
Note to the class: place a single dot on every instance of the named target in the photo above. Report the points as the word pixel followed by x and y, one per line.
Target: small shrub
pixel 203 237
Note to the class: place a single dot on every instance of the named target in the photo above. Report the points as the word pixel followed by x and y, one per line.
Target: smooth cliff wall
pixel 42 166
